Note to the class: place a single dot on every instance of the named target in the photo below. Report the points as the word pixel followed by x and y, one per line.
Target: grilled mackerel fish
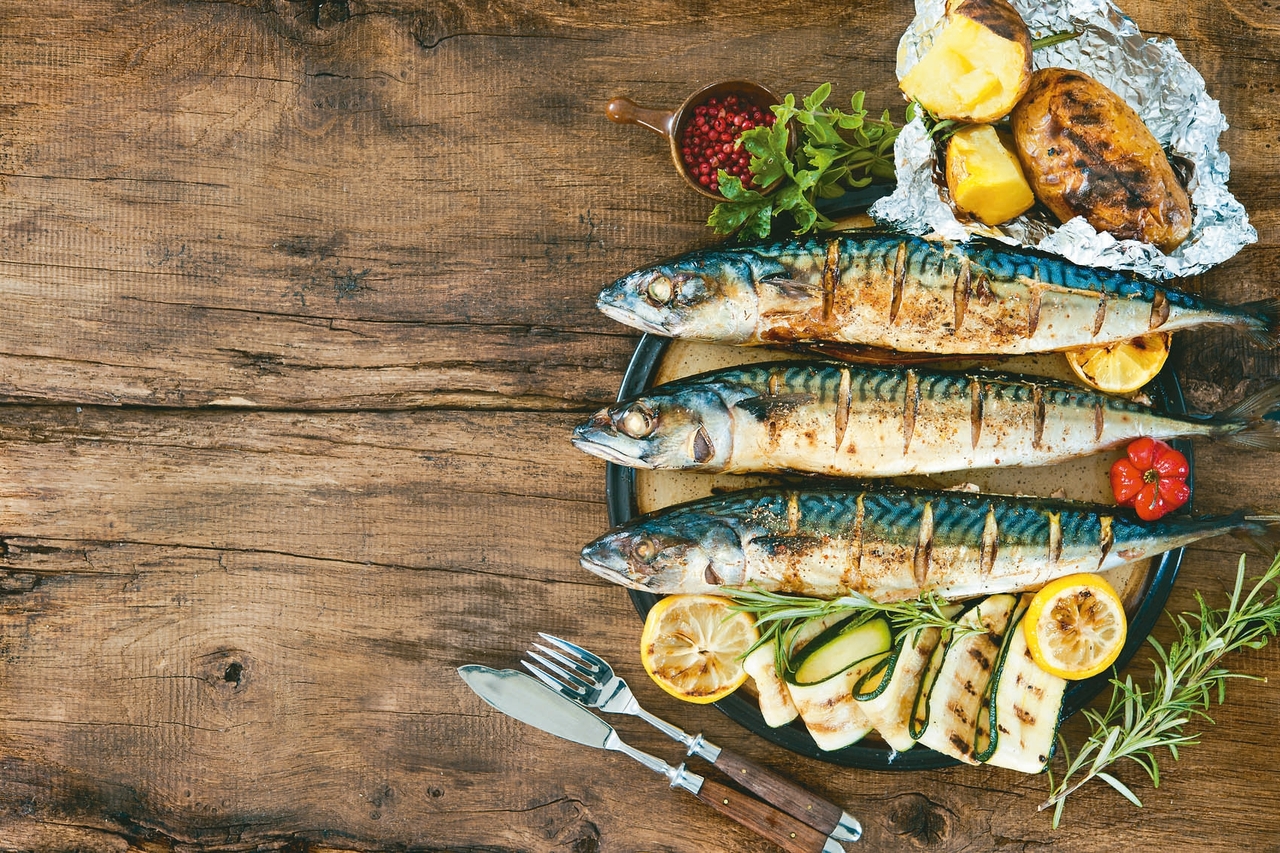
pixel 906 293
pixel 838 419
pixel 888 543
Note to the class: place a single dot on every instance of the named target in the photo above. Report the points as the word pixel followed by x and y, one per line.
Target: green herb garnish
pixel 1187 679
pixel 835 151
pixel 778 616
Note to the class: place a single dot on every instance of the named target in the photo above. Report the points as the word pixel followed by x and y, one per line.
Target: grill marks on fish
pixel 830 277
pixel 1037 416
pixel 899 282
pixel 841 419
pixel 910 407
pixel 1106 539
pixel 1100 315
pixel 1055 539
pixel 924 547
pixel 990 544
pixel 1159 311
pixel 853 568
pixel 976 396
pixel 889 543
pixel 793 514
pixel 837 419
pixel 960 295
pixel 1033 309
pixel 844 409
pixel 911 294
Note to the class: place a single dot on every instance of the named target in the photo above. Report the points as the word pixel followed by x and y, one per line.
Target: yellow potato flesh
pixel 969 74
pixel 985 177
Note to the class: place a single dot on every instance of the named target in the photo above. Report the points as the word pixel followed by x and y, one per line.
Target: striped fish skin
pixel 909 294
pixel 844 420
pixel 888 543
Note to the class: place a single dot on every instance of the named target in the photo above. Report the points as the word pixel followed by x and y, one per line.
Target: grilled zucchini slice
pixel 887 700
pixel 774 697
pixel 984 740
pixel 826 674
pixel 918 721
pixel 1027 708
pixel 956 695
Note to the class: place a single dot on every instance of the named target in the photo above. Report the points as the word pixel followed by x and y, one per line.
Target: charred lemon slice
pixel 1076 626
pixel 692 646
pixel 1121 368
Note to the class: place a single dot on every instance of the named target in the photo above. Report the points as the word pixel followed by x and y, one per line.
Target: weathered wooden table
pixel 298 314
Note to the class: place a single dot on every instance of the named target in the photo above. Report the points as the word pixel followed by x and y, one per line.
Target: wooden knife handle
pixel 781 828
pixel 822 815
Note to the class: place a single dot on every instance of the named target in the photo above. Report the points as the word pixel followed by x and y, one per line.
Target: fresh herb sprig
pixel 778 616
pixel 836 151
pixel 1187 679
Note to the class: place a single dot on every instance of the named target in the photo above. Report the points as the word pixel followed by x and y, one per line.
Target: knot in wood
pixel 310 21
pixel 918 818
pixel 226 669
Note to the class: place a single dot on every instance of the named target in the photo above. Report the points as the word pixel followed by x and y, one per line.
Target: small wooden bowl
pixel 671 124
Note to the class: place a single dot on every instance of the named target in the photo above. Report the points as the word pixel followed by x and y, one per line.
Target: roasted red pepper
pixel 1152 479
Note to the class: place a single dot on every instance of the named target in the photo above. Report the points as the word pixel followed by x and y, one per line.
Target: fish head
pixel 670 552
pixel 707 297
pixel 680 428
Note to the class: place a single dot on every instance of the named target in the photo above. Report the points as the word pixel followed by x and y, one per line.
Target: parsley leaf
pixel 836 150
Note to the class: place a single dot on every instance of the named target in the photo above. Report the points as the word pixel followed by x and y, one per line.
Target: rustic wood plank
pixel 318 634
pixel 298 317
pixel 296 700
pixel 204 254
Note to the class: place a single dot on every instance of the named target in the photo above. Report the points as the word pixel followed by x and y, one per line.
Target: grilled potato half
pixel 978 65
pixel 1087 153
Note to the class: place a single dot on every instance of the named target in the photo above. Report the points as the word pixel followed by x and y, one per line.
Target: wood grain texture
pixel 298 314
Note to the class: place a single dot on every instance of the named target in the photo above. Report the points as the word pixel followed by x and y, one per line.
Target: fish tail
pixel 1246 424
pixel 1260 531
pixel 1262 321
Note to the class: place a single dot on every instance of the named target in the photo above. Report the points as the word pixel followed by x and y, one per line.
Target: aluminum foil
pixel 1154 78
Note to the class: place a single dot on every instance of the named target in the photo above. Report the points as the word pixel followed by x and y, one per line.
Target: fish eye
pixel 660 290
pixel 637 421
pixel 646 549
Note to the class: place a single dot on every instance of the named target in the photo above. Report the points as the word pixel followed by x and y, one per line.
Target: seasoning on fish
pixel 891 544
pixel 910 294
pixel 843 420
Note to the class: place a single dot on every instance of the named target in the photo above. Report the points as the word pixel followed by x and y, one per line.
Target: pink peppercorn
pixel 709 140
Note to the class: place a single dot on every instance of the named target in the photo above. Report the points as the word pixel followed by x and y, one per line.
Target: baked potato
pixel 1087 153
pixel 984 176
pixel 978 66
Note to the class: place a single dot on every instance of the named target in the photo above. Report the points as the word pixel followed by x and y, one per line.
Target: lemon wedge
pixel 1124 367
pixel 692 646
pixel 1076 626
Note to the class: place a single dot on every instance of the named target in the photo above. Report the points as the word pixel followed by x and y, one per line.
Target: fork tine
pixel 568 662
pixel 560 687
pixel 586 656
pixel 570 680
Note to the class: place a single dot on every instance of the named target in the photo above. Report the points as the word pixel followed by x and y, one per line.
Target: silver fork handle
pixel 696 745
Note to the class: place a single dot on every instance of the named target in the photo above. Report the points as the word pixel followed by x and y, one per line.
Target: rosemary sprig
pixel 778 616
pixel 1187 679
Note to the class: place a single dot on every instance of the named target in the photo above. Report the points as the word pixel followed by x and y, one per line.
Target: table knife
pixel 531 702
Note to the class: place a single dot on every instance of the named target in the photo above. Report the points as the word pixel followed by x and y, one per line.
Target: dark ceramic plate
pixel 621 495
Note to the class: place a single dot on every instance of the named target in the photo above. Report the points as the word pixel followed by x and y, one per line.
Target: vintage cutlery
pixel 530 701
pixel 589 680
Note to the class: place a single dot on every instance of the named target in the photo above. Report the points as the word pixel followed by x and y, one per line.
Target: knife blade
pixel 528 700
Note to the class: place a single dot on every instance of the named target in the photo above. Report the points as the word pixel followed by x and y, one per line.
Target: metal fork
pixel 589 680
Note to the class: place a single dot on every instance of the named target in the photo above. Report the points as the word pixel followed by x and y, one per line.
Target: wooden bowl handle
pixel 627 111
